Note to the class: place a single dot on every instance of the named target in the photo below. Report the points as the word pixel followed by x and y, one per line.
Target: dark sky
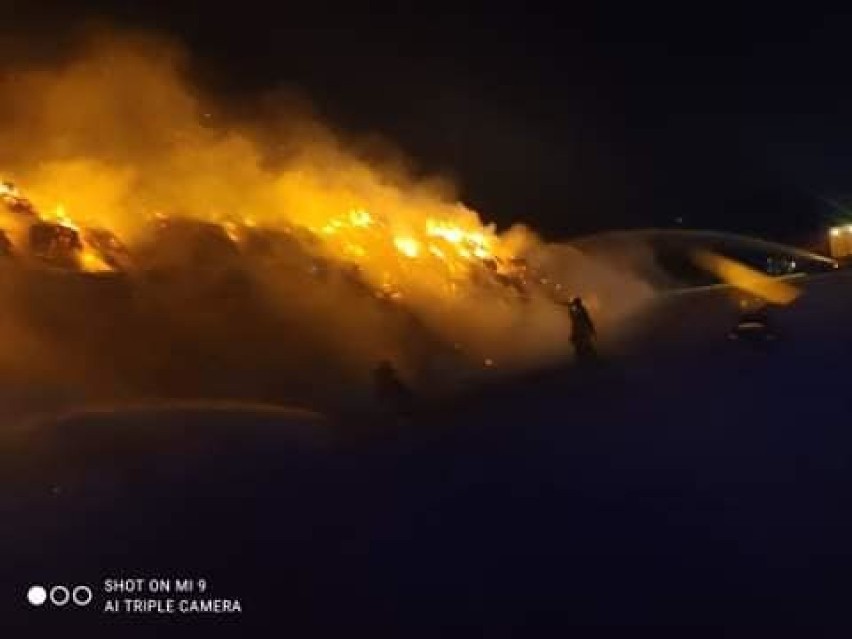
pixel 571 119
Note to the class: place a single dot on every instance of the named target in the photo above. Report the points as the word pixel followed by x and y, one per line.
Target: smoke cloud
pixel 334 254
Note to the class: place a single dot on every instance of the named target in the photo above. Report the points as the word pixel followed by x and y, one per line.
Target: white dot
pixel 36 595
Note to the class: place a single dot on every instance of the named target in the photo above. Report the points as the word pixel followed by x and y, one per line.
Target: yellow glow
pixel 360 218
pixel 447 232
pixel 747 279
pixel 354 249
pixel 408 246
pixel 61 217
pixel 88 158
pixel 434 250
pixel 91 262
pixel 232 231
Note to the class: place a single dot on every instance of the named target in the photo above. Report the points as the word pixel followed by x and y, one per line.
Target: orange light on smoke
pixel 747 279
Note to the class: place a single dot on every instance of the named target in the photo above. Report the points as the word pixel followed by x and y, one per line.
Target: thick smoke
pixel 117 137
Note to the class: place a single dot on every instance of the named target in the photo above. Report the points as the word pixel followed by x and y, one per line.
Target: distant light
pixel 849 228
pixel 835 232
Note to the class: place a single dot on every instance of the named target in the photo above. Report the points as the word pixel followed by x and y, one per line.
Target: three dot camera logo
pixel 60 596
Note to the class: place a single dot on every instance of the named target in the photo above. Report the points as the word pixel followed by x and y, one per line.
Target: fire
pixel 61 218
pixel 408 246
pixel 412 252
pixel 360 218
pixel 102 169
pixel 88 159
pixel 7 189
pixel 232 230
pixel 91 262
pixel 88 259
pixel 357 251
pixel 356 236
pixel 434 250
pixel 466 242
pixel 66 244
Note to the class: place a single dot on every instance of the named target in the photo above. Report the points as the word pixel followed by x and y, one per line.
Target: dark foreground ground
pixel 686 486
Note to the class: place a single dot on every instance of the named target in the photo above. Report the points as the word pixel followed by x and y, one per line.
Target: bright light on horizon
pixel 840 241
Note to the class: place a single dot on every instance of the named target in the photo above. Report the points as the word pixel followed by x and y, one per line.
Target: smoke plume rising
pixel 331 257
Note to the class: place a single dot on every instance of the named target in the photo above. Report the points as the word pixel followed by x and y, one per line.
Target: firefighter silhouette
pixel 582 331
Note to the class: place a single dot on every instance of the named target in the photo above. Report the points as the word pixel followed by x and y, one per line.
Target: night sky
pixel 572 120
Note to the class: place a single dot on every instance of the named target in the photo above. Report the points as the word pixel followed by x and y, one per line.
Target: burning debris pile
pixel 354 244
pixel 244 241
pixel 119 161
pixel 54 240
pixel 416 281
